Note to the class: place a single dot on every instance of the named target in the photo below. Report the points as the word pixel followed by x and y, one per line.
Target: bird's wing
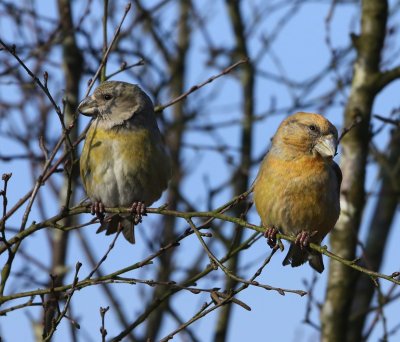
pixel 339 175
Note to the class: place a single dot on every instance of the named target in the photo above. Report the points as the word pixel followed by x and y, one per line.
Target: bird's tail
pixel 114 223
pixel 298 256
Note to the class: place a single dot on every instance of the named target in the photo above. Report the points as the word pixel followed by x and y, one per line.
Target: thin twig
pixel 30 302
pixel 357 120
pixel 103 330
pixel 216 214
pixel 388 120
pixel 219 300
pixel 63 313
pixel 228 273
pixel 125 67
pixel 3 193
pixel 105 39
pixel 198 86
pixel 190 280
pixel 110 247
pixel 110 46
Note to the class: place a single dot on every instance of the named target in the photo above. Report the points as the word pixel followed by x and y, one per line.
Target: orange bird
pixel 297 188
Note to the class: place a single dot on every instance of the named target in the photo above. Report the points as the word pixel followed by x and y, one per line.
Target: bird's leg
pixel 270 235
pixel 303 239
pixel 138 209
pixel 97 209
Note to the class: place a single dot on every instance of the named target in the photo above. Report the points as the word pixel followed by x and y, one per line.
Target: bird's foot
pixel 303 239
pixel 97 209
pixel 270 235
pixel 138 209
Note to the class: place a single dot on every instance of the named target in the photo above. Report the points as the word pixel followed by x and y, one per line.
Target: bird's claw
pixel 270 235
pixel 138 210
pixel 97 209
pixel 303 239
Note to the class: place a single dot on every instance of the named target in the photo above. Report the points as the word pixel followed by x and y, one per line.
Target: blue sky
pixel 302 52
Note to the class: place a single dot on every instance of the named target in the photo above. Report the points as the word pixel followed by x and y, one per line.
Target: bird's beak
pixel 88 106
pixel 326 146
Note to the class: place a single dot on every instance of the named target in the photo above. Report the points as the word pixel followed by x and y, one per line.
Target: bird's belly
pixel 119 183
pixel 105 184
pixel 135 170
pixel 300 204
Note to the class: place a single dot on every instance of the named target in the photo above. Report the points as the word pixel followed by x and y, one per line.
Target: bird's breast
pixel 122 166
pixel 297 195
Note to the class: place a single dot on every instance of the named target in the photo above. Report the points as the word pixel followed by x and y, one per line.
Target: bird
pixel 297 188
pixel 124 162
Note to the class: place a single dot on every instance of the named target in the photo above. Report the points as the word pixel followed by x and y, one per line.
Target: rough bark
pixel 341 283
pixel 378 232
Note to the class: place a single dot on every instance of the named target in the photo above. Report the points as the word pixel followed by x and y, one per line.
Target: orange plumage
pixel 297 188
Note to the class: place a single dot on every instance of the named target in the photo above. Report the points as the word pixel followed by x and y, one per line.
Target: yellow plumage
pixel 123 160
pixel 144 165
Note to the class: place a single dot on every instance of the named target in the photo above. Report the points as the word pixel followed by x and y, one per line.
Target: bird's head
pixel 116 102
pixel 307 133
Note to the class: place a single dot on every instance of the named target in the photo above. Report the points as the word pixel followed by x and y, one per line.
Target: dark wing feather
pixel 339 175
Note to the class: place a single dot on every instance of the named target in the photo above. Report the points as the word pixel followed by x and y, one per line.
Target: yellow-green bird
pixel 124 162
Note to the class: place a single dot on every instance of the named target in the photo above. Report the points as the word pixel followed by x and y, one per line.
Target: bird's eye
pixel 107 97
pixel 312 128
